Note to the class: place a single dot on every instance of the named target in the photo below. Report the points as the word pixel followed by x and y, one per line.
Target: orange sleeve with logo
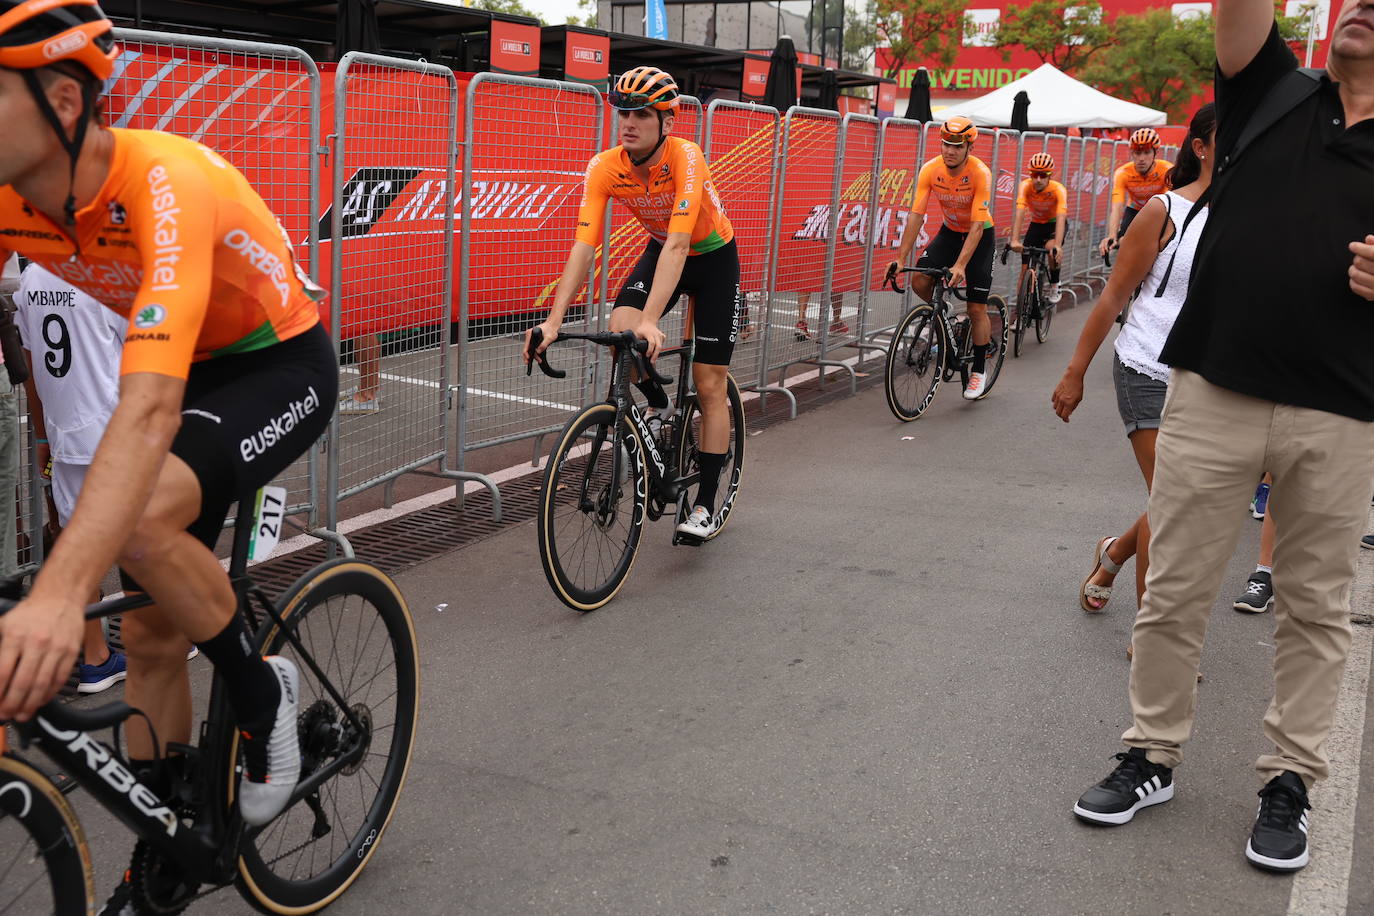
pixel 979 211
pixel 689 177
pixel 923 182
pixel 172 213
pixel 592 214
pixel 1119 184
pixel 1023 195
pixel 1061 198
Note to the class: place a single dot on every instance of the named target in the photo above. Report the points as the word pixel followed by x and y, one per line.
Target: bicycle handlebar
pixel 1025 249
pixel 626 339
pixel 940 274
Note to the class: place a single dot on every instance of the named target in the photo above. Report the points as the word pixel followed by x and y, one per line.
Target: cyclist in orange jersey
pixel 227 376
pixel 1047 203
pixel 962 183
pixel 665 182
pixel 1133 184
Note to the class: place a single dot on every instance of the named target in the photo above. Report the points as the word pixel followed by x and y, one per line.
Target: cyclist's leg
pixel 717 308
pixel 628 310
pixel 979 275
pixel 942 251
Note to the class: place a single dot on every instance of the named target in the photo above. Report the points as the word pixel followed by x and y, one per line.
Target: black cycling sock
pixel 711 465
pixel 250 683
pixel 1054 274
pixel 980 357
pixel 653 393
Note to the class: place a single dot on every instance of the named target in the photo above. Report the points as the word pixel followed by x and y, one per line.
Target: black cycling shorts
pixel 712 280
pixel 944 249
pixel 247 416
pixel 1127 216
pixel 1038 235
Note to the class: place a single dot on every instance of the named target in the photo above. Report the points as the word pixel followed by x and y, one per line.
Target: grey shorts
pixel 1139 397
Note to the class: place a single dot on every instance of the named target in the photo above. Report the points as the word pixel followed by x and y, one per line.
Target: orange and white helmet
pixel 644 87
pixel 1041 162
pixel 40 33
pixel 1145 138
pixel 958 130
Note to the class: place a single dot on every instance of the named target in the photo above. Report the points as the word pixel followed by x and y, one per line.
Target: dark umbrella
pixel 1020 112
pixel 356 28
pixel 782 76
pixel 918 106
pixel 830 90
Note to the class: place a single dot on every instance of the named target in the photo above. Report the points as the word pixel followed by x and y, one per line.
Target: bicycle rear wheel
pixel 997 317
pixel 915 358
pixel 590 515
pixel 352 620
pixel 1044 314
pixel 688 469
pixel 40 837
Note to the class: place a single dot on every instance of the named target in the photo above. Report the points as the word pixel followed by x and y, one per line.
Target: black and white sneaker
pixel 1135 783
pixel 1278 841
pixel 272 757
pixel 1259 594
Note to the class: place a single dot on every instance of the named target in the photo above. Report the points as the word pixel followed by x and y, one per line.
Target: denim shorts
pixel 1139 397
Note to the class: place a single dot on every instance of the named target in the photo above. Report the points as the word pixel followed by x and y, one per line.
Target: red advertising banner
pixel 587 58
pixel 514 48
pixel 755 82
pixel 887 99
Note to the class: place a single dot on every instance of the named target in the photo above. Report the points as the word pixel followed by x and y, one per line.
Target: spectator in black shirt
pixel 1272 371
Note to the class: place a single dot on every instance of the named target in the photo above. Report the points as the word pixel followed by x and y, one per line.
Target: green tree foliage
pixel 923 32
pixel 585 16
pixel 513 7
pixel 1065 33
pixel 1156 59
pixel 860 35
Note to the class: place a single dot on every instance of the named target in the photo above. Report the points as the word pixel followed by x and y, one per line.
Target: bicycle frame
pixel 661 466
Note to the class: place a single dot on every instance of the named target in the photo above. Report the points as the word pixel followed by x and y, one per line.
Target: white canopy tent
pixel 1056 100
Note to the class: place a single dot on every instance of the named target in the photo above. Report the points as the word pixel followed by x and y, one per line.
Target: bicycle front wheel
pixel 353 623
pixel 591 510
pixel 688 467
pixel 997 317
pixel 915 358
pixel 39 836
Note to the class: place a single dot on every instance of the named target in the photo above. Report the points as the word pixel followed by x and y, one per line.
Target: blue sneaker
pixel 1260 504
pixel 95 678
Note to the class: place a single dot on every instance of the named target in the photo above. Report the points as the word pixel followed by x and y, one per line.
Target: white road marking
pixel 1323 887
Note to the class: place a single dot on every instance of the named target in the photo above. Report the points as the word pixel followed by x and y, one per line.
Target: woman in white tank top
pixel 1156 257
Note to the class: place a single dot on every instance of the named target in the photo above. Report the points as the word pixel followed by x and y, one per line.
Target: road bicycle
pixel 930 346
pixel 611 469
pixel 1031 305
pixel 349 632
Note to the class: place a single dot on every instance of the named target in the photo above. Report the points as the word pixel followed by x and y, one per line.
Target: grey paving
pixel 875 693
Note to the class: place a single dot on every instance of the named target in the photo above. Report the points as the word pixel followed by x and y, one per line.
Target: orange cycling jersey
pixel 1044 206
pixel 678 198
pixel 963 197
pixel 180 244
pixel 1137 189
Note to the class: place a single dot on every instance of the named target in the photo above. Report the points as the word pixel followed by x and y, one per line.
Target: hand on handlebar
pixel 1107 245
pixel 956 276
pixel 548 333
pixel 653 338
pixel 39 640
pixel 1015 246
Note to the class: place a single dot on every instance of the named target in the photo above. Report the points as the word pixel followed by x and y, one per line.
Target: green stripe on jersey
pixel 260 337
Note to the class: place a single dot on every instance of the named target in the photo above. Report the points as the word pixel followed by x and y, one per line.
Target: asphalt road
pixel 874 693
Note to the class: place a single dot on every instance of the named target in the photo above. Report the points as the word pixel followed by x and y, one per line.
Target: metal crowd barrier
pixel 438 265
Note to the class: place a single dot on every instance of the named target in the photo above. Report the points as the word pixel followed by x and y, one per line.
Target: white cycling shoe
pixel 272 763
pixel 700 524
pixel 1053 294
pixel 977 386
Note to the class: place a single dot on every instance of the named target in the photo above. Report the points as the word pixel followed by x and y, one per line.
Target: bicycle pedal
pixel 686 540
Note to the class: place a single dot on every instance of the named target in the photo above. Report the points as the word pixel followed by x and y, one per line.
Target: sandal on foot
pixel 1089 592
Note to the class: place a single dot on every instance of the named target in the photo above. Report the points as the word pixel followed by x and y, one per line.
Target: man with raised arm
pixel 1272 370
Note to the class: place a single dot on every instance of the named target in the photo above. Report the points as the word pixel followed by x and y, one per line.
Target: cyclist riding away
pixel 1134 184
pixel 226 377
pixel 962 183
pixel 665 182
pixel 1047 201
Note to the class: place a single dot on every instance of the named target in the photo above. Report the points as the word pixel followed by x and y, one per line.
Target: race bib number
pixel 268 515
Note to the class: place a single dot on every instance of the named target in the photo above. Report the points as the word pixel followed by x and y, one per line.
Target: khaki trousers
pixel 1213 446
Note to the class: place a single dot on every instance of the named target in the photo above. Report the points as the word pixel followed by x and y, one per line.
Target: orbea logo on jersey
pixel 275 431
pixel 150 316
pixel 267 263
pixel 61 47
pixel 510 46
